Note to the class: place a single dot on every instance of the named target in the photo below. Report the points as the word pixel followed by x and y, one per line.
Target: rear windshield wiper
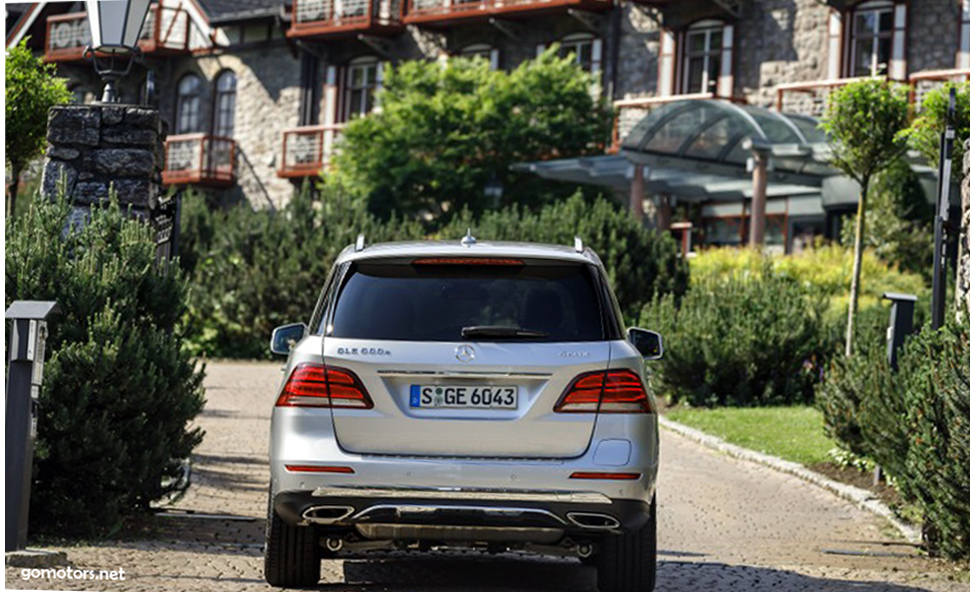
pixel 499 332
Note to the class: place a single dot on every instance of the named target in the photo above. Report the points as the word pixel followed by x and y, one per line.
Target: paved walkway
pixel 725 525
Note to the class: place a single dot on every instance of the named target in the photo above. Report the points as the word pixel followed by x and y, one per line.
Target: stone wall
pixel 934 35
pixel 94 147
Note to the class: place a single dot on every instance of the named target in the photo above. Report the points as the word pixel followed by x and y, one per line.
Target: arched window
pixel 586 49
pixel 188 116
pixel 363 79
pixel 872 39
pixel 225 105
pixel 703 46
pixel 481 50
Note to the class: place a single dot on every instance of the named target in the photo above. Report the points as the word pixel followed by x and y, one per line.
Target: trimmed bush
pixel 641 264
pixel 744 339
pixel 119 390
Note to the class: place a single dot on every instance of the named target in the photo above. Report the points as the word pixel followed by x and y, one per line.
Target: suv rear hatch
pixel 467 357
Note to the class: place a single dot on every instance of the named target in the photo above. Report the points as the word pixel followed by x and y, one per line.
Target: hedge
pixel 253 270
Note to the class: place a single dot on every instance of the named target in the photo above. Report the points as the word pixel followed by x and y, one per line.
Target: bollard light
pixel 115 30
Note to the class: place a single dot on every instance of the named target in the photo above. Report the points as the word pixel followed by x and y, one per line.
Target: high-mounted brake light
pixel 312 385
pixel 466 261
pixel 606 391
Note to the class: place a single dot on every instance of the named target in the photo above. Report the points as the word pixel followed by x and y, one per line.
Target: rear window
pixel 404 302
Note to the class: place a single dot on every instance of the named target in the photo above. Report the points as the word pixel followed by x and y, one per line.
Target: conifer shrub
pixel 119 391
pixel 740 339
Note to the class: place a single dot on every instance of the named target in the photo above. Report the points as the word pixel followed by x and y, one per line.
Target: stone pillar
pixel 963 242
pixel 637 190
pixel 94 147
pixel 759 198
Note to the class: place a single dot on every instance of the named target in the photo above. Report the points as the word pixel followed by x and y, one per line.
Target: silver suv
pixel 466 394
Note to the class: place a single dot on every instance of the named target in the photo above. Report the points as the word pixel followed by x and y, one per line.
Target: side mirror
pixel 285 337
pixel 649 343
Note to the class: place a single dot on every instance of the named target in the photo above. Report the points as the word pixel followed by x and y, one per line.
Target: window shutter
pixel 331 94
pixel 666 63
pixel 595 66
pixel 493 57
pixel 725 81
pixel 836 32
pixel 380 85
pixel 897 63
pixel 963 55
pixel 540 48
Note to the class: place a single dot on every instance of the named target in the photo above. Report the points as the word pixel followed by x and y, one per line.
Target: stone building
pixel 255 92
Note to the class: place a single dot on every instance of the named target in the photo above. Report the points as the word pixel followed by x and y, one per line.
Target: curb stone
pixel 858 496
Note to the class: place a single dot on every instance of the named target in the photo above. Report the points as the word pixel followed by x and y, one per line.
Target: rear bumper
pixel 472 514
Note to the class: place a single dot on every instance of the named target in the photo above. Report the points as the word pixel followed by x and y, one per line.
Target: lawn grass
pixel 793 433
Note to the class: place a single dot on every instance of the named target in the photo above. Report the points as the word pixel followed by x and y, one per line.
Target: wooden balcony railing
pixel 307 150
pixel 449 11
pixel 810 98
pixel 925 81
pixel 321 18
pixel 166 30
pixel 200 159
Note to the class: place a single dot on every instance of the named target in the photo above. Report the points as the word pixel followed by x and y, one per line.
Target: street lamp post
pixel 115 29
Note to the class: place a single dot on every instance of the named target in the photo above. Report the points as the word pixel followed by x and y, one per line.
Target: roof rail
pixel 360 243
pixel 578 244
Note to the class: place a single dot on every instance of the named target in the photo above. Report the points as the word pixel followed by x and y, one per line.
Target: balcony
pixel 924 82
pixel 166 32
pixel 808 98
pixel 307 150
pixel 334 18
pixel 449 12
pixel 199 159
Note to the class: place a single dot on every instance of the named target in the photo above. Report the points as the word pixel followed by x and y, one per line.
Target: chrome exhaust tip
pixel 593 521
pixel 327 514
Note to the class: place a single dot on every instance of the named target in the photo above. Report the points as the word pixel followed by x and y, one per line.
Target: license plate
pixel 464 397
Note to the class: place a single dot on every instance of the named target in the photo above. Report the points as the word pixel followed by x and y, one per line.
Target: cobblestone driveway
pixel 725 525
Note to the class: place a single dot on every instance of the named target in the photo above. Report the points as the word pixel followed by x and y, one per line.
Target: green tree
pixel 865 121
pixel 444 133
pixel 924 134
pixel 32 89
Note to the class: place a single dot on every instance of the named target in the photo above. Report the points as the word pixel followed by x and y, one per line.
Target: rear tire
pixel 292 555
pixel 628 562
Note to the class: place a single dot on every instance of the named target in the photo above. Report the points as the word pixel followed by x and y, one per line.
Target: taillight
pixel 605 391
pixel 312 385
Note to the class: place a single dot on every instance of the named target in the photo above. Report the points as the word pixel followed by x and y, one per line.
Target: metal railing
pixel 307 150
pixel 321 16
pixel 165 28
pixel 200 159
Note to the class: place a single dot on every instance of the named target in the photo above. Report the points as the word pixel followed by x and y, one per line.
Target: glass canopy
pixel 716 132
